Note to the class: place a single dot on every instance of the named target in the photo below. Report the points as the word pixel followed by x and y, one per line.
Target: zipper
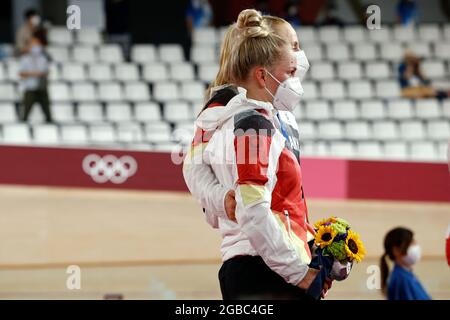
pixel 286 214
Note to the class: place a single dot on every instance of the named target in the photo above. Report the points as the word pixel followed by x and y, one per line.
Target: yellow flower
pixel 354 247
pixel 325 236
pixel 323 221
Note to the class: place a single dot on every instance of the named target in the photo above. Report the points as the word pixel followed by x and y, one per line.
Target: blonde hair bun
pixel 250 23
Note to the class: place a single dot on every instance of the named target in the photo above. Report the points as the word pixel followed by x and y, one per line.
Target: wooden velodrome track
pixel 155 245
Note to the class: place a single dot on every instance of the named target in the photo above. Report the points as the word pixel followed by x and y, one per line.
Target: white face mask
pixel 288 94
pixel 413 255
pixel 35 20
pixel 302 64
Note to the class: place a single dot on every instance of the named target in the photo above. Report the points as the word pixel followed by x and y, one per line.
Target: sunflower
pixel 325 236
pixel 354 247
pixel 324 221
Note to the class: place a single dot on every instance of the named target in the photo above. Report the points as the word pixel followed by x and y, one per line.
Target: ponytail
pixel 384 273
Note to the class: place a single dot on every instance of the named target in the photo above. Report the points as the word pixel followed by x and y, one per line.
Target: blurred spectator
pixel 33 73
pixel 401 284
pixel 406 12
pixel 199 14
pixel 291 13
pixel 25 32
pixel 330 16
pixel 412 80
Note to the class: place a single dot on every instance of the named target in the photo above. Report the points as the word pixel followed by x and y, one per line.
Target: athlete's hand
pixel 308 279
pixel 230 205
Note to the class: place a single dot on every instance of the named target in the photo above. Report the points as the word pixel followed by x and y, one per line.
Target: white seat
pixel 110 53
pixel 192 90
pixel 129 132
pixel 175 111
pixel 90 112
pixel 442 150
pixel 429 32
pixel 317 110
pixel 330 130
pixel 60 35
pixel 205 35
pixel 314 51
pixel 446 31
pixel 203 54
pixel 136 91
pixel 147 112
pixel 59 91
pixel 73 72
pixel 8 92
pixel 306 34
pixel 349 70
pixel 395 150
pixel 118 112
pixel 428 109
pixel 372 110
pixel 8 113
pixel 86 54
pixel 337 52
pixel 181 71
pixel 307 130
pixel 385 130
pixel 404 33
pixel 446 108
pixel 422 49
pixel 342 150
pixel 157 136
pixel 166 91
pixel 391 51
pixel 102 133
pixel 110 91
pixel 126 72
pixel 360 89
pixel 438 130
pixel 171 53
pixel 3 73
pixel 400 109
pixel 358 130
pixel 354 34
pixel 332 90
pixel 369 150
pixel 423 150
pixel 345 110
pixel 12 69
pixel 433 69
pixel 58 53
pixel 63 112
pixel 377 70
pixel 74 134
pixel 322 71
pixel 16 133
pixel 45 134
pixel 143 53
pixel 364 51
pixel 387 89
pixel 100 72
pixel 54 72
pixel 208 72
pixel 442 50
pixel 382 35
pixel 311 92
pixel 155 72
pixel 84 91
pixel 329 34
pixel 91 36
pixel 412 130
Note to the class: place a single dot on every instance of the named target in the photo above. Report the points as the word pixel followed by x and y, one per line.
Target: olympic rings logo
pixel 109 168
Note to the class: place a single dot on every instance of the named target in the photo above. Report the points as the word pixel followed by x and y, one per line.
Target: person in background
pixel 199 14
pixel 33 71
pixel 291 13
pixel 412 80
pixel 401 284
pixel 406 12
pixel 25 32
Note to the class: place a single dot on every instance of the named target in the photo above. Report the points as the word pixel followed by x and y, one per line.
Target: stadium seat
pixel 365 51
pixel 166 91
pixel 136 91
pixel 74 134
pixel 8 112
pixel 45 134
pixel 176 111
pixel 203 54
pixel 438 130
pixel 85 54
pixel 345 110
pixel 311 92
pixel 330 130
pixel 306 34
pixel 349 70
pixel 54 72
pixel 102 133
pixel 129 133
pixel 382 35
pixel 181 71
pixel 392 51
pixel 155 72
pixel 322 71
pixel 205 35
pixel 360 89
pixel 369 150
pixel 387 89
pixel 342 150
pixel 147 112
pixel 84 91
pixel 60 36
pixel 100 72
pixel 12 69
pixel 357 130
pixel 313 51
pixel 354 34
pixel 337 52
pixel 400 109
pixel 422 49
pixel 423 151
pixel 111 53
pixel 143 53
pixel 62 112
pixel 73 72
pixel 442 50
pixel 412 130
pixel 317 110
pixel 126 72
pixel 192 90
pixel 330 34
pixel 404 33
pixel 208 72
pixel 372 110
pixel 8 92
pixel 118 112
pixel 16 133
pixel 58 53
pixel 377 70
pixel 428 109
pixel 429 32
pixel 110 91
pixel 307 130
pixel 171 53
pixel 433 69
pixel 395 150
pixel 332 90
pixel 89 36
pixel 385 130
pixel 90 112
pixel 59 92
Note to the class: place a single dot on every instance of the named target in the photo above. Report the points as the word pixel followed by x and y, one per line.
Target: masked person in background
pixel 401 283
pixel 25 32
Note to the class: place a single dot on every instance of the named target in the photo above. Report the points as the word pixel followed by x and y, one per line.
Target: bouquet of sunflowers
pixel 335 238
